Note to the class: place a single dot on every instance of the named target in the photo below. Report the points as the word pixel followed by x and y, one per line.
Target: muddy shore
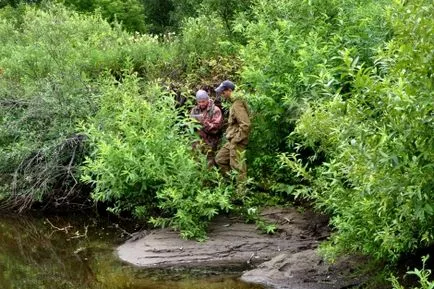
pixel 287 259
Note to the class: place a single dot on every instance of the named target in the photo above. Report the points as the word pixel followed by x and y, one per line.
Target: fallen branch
pixel 57 229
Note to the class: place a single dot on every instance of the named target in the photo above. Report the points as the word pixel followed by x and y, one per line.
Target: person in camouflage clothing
pixel 237 132
pixel 211 119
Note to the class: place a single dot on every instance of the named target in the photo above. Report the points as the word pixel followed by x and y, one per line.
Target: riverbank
pixel 287 259
pixel 77 252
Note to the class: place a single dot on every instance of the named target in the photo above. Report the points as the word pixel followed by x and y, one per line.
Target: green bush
pixel 142 162
pixel 376 134
pixel 422 274
pixel 131 13
pixel 204 51
pixel 340 92
pixel 50 59
pixel 291 46
pixel 225 10
pixel 64 42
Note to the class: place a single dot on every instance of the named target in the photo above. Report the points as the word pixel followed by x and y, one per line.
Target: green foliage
pixel 159 16
pixel 261 224
pixel 131 13
pixel 423 275
pixel 226 10
pixel 203 48
pixel 291 46
pixel 376 134
pixel 16 3
pixel 340 95
pixel 62 40
pixel 142 161
pixel 49 59
pixel 250 204
pixel 51 65
pixel 200 37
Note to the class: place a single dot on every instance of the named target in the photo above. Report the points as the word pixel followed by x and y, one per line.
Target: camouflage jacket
pixel 238 123
pixel 211 119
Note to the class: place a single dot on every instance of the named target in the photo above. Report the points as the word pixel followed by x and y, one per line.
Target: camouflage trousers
pixel 203 148
pixel 231 156
pixel 207 145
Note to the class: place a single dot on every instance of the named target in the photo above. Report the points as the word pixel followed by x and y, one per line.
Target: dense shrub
pixel 378 141
pixel 131 13
pixel 423 275
pixel 225 10
pixel 49 60
pixel 340 92
pixel 142 161
pixel 291 45
pixel 204 51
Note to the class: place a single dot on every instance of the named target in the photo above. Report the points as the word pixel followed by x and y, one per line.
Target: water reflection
pixel 60 253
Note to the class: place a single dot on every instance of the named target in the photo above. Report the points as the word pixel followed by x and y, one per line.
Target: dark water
pixel 78 253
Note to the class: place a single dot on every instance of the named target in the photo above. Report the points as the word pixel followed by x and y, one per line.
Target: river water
pixel 52 252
